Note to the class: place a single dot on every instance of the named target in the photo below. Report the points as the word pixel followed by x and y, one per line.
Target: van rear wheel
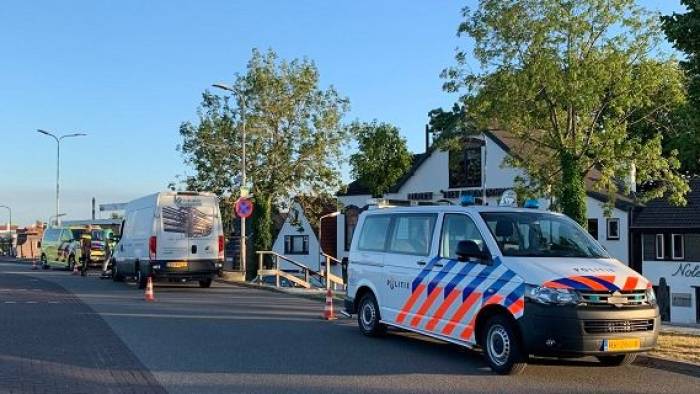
pixel 141 279
pixel 618 360
pixel 206 283
pixel 368 317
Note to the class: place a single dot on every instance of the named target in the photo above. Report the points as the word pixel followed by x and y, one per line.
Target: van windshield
pixel 540 234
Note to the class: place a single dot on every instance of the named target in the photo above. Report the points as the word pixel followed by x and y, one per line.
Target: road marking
pixel 10 302
pixel 31 302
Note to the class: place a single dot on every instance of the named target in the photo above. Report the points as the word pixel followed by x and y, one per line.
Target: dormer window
pixel 465 167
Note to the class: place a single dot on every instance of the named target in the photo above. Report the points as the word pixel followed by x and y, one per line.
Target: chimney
pixel 427 138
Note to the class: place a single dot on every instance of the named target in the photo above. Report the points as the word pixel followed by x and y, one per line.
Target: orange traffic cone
pixel 150 296
pixel 328 309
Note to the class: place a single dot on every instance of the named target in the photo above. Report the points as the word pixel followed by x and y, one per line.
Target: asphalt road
pixel 232 339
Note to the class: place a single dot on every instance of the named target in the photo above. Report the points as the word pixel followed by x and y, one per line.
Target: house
pixel 666 247
pixel 298 239
pixel 478 170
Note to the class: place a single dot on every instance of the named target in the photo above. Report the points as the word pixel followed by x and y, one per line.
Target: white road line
pixel 30 302
pixel 10 302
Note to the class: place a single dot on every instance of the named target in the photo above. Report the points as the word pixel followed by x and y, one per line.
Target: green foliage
pixel 262 227
pixel 683 31
pixel 568 78
pixel 450 128
pixel 294 138
pixel 382 157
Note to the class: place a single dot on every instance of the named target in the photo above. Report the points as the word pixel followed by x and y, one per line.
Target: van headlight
pixel 549 296
pixel 651 296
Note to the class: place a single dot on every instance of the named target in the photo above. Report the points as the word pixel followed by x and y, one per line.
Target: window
pixel 537 234
pixel 660 247
pixel 593 227
pixel 455 228
pixel 296 244
pixel 465 167
pixel 613 228
pixel 412 234
pixel 677 246
pixel 374 232
pixel 351 215
pixel 51 235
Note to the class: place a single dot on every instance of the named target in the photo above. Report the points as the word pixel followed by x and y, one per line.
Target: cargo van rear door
pixel 172 243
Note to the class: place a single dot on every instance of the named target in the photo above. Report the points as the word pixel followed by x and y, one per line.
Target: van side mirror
pixel 467 249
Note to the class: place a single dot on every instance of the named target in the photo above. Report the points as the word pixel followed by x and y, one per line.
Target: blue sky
pixel 129 72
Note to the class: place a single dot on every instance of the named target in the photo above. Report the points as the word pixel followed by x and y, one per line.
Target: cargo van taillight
pixel 221 246
pixel 152 243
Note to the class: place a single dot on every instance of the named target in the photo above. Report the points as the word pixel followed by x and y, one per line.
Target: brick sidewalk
pixel 50 342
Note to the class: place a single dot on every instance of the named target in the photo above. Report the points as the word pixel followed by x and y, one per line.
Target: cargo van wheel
pixel 206 283
pixel 368 317
pixel 141 279
pixel 619 360
pixel 116 276
pixel 71 262
pixel 502 347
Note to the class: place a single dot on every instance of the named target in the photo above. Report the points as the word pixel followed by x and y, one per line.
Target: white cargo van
pixel 513 281
pixel 174 236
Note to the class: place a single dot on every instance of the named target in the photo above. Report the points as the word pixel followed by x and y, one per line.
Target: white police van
pixel 512 281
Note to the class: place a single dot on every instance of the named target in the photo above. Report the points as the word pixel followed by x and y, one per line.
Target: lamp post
pixel 320 248
pixel 58 160
pixel 241 100
pixel 9 225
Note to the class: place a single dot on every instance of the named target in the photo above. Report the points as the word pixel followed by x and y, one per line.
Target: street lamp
pixel 320 248
pixel 56 218
pixel 9 225
pixel 241 100
pixel 58 159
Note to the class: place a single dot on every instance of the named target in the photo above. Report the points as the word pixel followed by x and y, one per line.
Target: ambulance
pixel 511 281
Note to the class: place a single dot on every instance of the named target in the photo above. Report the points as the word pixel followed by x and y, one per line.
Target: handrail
pixel 330 257
pixel 327 274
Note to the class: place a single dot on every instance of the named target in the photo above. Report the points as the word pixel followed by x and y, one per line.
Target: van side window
pixel 455 228
pixel 374 232
pixel 412 234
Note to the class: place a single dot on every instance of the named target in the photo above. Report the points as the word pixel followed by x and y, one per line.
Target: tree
pixel 294 137
pixel 568 78
pixel 683 31
pixel 382 157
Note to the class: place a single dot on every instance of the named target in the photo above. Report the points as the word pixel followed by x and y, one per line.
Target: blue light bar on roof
pixel 531 203
pixel 467 200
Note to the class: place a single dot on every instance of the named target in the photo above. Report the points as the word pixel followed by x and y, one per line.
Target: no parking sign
pixel 244 208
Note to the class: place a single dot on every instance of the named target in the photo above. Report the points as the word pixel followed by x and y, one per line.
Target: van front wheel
pixel 502 347
pixel 368 317
pixel 616 361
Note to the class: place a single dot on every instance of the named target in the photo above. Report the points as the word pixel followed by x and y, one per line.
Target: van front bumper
pixel 195 270
pixel 549 330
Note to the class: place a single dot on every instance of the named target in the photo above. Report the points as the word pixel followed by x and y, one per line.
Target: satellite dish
pixel 508 199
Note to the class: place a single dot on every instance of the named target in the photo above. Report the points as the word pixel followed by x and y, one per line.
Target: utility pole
pixel 244 181
pixel 58 160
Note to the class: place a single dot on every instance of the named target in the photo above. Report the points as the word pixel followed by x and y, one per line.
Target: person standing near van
pixel 85 245
pixel 108 256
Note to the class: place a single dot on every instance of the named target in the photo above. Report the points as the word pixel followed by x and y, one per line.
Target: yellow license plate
pixel 616 345
pixel 177 264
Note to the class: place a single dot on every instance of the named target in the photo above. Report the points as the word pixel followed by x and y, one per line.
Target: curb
pixel 315 297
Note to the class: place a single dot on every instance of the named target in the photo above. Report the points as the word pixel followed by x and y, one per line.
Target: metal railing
pixel 324 276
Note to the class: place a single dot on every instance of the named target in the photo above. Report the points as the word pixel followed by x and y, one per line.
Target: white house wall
pixel 617 248
pixel 680 277
pixel 311 259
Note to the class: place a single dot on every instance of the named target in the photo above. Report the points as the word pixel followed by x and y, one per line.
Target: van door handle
pixel 438 265
pixel 420 262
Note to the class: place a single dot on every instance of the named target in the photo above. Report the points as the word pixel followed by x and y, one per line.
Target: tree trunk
pixel 573 189
pixel 262 225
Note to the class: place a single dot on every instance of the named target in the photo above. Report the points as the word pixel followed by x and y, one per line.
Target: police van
pixel 512 281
